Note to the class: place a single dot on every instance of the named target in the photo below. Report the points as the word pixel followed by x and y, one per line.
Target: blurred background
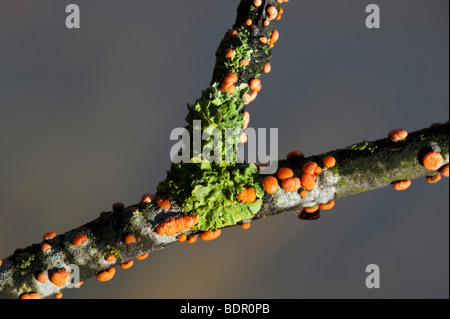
pixel 85 118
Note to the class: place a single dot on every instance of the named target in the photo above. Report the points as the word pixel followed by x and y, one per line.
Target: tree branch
pixel 360 167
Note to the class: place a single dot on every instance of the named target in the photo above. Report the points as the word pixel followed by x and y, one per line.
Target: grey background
pixel 85 118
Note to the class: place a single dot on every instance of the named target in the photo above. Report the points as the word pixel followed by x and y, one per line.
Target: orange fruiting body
pixel 303 193
pixel 59 295
pixel 45 247
pixel 397 134
pixel 284 173
pixel 401 185
pixel 49 235
pixel 142 257
pixel 309 167
pixel 110 258
pixel 147 198
pixel 328 205
pixel 263 40
pixel 79 239
pixel 31 295
pixel 257 3
pixel 176 225
pixel 272 11
pixel 317 170
pixel 246 117
pixel 291 184
pixel 275 36
pixel 433 161
pixel 329 161
pixel 106 274
pixel 433 179
pixel 270 184
pixel 255 85
pixel 117 206
pixel 267 68
pixel 232 32
pixel 245 226
pixel 242 197
pixel 295 154
pixel 210 235
pixel 129 239
pixel 245 62
pixel 182 238
pixel 229 53
pixel 60 277
pixel 78 284
pixel 444 170
pixel 308 181
pixel 311 209
pixel 192 239
pixel 41 277
pixel 165 204
pixel 248 22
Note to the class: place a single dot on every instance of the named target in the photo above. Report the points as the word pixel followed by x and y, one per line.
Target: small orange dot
pixel 106 274
pixel 142 257
pixel 49 235
pixel 165 204
pixel 444 171
pixel 245 226
pixel 60 277
pixel 192 239
pixel 401 185
pixel 45 247
pixel 127 265
pixel 41 277
pixel 295 154
pixel 311 209
pixel 433 179
pixel 303 193
pixel 79 239
pixel 263 40
pixel 248 22
pixel 267 68
pixel 270 184
pixel 182 238
pixel 110 258
pixel 130 239
pixel 147 198
pixel 329 161
pixel 229 53
pixel 59 295
pixel 328 205
pixel 284 173
pixel 117 206
pixel 433 161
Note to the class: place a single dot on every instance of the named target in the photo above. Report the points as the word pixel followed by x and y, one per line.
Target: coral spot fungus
pixel 401 185
pixel 79 239
pixel 432 161
pixel 270 184
pixel 60 277
pixel 106 274
pixel 176 225
pixel 210 235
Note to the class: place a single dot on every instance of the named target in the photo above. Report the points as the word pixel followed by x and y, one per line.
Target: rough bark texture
pixel 360 167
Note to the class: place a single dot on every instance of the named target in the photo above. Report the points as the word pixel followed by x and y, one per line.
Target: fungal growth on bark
pixel 202 197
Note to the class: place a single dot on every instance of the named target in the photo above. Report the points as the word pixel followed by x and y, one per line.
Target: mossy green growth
pixel 364 145
pixel 207 188
pixel 23 260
